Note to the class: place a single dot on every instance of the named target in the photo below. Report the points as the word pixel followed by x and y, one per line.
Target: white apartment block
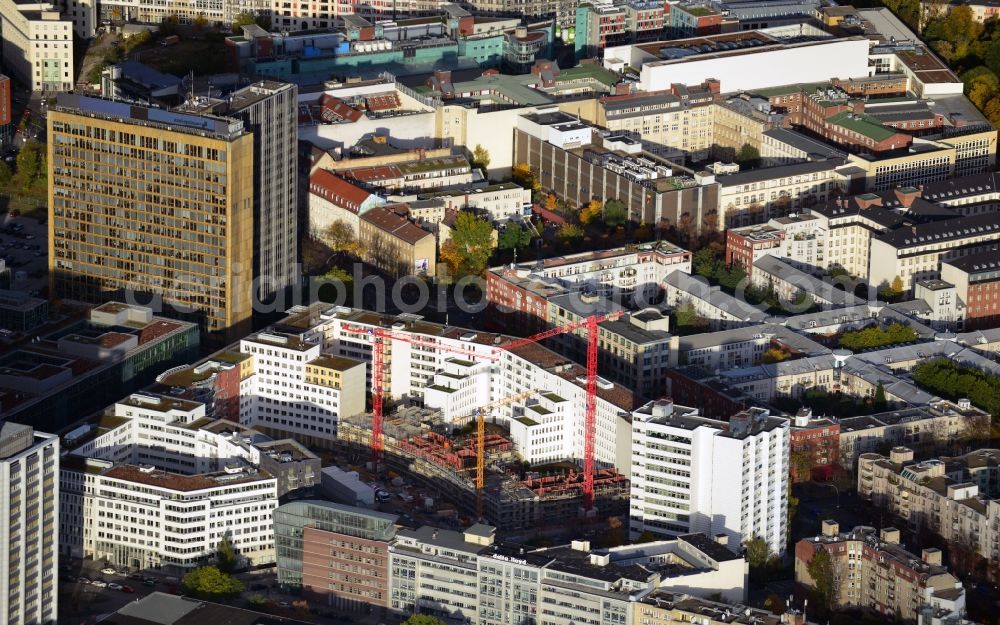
pixel 497 202
pixel 692 474
pixel 635 271
pixel 37 44
pixel 468 576
pixel 298 390
pixel 29 514
pixel 147 487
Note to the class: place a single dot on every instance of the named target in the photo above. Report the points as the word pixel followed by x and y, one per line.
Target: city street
pixel 81 602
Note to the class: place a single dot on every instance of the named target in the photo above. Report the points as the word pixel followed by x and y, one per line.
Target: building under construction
pixel 417 443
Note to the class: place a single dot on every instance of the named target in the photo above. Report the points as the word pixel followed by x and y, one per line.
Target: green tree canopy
pixel 569 234
pixel 514 236
pixel 481 157
pixel 468 250
pixel 423 619
pixel 209 582
pixel 820 569
pixel 615 213
pixel 748 156
pixel 226 555
pixel 876 336
pixel 952 380
pixel 758 552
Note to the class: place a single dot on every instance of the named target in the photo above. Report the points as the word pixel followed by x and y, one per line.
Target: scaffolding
pixel 416 446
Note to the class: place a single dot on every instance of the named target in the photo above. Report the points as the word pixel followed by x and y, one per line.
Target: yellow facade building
pixel 154 205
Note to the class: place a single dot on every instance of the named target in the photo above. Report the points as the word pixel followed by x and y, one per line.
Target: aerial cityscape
pixel 499 312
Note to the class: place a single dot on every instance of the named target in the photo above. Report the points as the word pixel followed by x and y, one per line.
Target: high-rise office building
pixel 692 474
pixel 29 513
pixel 153 205
pixel 269 110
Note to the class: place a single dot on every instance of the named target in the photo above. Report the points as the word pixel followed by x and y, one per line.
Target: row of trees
pixel 31 174
pixel 877 336
pixel 953 380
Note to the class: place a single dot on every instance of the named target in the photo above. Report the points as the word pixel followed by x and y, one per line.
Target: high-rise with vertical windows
pixel 153 205
pixel 269 111
pixel 29 513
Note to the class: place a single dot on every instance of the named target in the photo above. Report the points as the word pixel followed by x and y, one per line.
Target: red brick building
pixel 692 385
pixel 977 284
pixel 815 447
pixel 335 555
pixel 746 245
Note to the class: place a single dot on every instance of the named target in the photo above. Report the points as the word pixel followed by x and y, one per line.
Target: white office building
pixel 469 576
pixel 29 513
pixel 145 486
pixel 298 390
pixel 693 474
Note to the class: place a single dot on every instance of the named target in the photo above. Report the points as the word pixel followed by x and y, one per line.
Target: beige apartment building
pixel 952 497
pixel 396 245
pixel 37 44
pixel 662 607
pixel 872 571
pixel 915 253
pixel 155 205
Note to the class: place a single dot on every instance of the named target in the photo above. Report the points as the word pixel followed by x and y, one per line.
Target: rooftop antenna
pixel 191 74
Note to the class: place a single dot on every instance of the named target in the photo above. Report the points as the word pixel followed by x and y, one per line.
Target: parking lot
pixel 24 249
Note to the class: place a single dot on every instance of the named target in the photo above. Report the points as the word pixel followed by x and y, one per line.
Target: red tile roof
pixel 394 224
pixel 383 102
pixel 335 109
pixel 374 174
pixel 336 190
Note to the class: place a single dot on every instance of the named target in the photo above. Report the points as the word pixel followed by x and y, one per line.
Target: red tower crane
pixel 380 337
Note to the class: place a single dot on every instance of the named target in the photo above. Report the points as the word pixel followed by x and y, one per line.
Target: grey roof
pixel 988 260
pixel 709 547
pixel 793 340
pixel 979 337
pixel 943 231
pixel 700 289
pixel 160 607
pixel 449 539
pixel 575 303
pixel 804 143
pixel 633 332
pixel 781 171
pixel 779 269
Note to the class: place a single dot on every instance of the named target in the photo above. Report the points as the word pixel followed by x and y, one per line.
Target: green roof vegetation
pixel 581 72
pixel 462 362
pixel 542 410
pixel 443 389
pixel 698 11
pixel 553 397
pixel 862 124
pixel 527 421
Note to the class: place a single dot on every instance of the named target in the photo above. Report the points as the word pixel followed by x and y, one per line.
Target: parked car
pixel 109 571
pixel 83 580
pixel 100 583
pixel 149 581
pixel 114 586
pixel 127 589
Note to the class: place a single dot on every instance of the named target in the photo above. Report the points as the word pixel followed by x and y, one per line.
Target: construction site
pixel 417 443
